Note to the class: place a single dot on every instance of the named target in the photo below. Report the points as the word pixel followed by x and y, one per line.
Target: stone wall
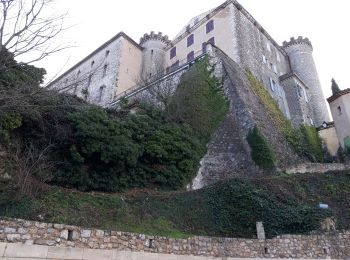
pixel 317 168
pixel 335 245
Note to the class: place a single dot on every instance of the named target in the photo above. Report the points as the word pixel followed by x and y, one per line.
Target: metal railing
pixel 182 65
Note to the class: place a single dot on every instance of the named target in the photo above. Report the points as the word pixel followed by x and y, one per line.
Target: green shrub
pixel 10 120
pixel 262 153
pixel 111 154
pixel 312 143
pixel 199 100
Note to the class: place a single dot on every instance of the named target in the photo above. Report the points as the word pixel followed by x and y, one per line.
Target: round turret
pixel 302 63
pixel 153 54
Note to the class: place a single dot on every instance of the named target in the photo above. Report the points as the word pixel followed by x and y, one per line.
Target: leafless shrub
pixel 31 169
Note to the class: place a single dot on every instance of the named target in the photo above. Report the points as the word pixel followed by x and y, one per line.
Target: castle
pixel 121 65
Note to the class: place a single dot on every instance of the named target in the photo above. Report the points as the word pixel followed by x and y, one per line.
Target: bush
pixel 262 153
pixel 199 100
pixel 111 154
pixel 312 143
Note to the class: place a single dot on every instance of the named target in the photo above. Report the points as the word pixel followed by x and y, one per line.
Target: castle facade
pixel 121 65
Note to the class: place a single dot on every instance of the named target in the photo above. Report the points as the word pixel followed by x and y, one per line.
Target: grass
pixel 286 204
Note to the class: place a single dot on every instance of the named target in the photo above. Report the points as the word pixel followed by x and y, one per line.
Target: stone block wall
pixel 335 245
pixel 317 168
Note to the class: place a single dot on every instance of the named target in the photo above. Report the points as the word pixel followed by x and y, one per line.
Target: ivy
pixel 305 140
pixel 262 153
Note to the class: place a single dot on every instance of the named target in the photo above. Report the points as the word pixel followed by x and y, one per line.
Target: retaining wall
pixel 335 245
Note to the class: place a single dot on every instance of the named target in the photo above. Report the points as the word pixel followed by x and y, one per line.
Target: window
pixel 278 57
pixel 190 56
pixel 299 90
pixel 272 84
pixel 101 93
pixel 212 41
pixel 339 111
pixel 152 52
pixel 305 95
pixel 190 40
pixel 89 80
pixel 210 26
pixel 268 46
pixel 173 53
pixel 174 66
pixel 92 63
pixel 75 88
pixel 104 70
pixel 78 74
pixel 204 47
pixel 107 53
pixel 274 67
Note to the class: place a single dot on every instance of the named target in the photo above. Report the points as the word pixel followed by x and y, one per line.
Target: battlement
pixel 299 40
pixel 154 36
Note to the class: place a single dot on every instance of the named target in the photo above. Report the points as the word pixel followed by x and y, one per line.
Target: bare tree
pixel 31 168
pixel 26 26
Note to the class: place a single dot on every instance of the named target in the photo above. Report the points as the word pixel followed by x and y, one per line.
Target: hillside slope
pixel 285 203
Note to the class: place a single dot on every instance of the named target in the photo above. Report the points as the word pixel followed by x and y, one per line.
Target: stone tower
pixel 302 63
pixel 153 54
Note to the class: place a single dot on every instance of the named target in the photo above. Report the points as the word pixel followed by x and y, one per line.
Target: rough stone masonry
pixel 335 245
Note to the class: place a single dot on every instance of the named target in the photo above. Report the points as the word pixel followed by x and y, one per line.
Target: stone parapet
pixel 335 245
pixel 154 36
pixel 299 40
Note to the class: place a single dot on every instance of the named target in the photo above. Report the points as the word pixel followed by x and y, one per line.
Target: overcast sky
pixel 324 22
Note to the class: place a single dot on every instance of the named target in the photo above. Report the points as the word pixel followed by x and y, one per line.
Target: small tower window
pixel 75 88
pixel 268 46
pixel 101 92
pixel 92 63
pixel 89 80
pixel 210 26
pixel 339 111
pixel 107 53
pixel 104 70
pixel 299 90
pixel 272 84
pixel 152 52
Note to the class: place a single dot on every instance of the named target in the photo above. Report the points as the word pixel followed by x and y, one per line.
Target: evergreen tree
pixel 335 87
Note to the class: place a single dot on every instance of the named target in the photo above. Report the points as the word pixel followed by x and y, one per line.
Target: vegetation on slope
pixel 73 144
pixel 285 203
pixel 305 141
pixel 262 153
